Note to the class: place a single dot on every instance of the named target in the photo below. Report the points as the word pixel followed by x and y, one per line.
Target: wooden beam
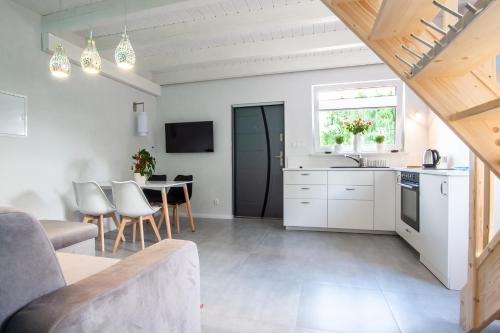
pixel 493 104
pixel 490 247
pixel 109 69
pixel 402 17
pixel 488 277
pixel 489 205
pixel 469 297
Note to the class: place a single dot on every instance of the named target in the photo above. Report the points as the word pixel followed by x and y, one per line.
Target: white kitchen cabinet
pixel 385 200
pixel 339 199
pixel 350 177
pixel 350 214
pixel 309 213
pixel 305 192
pixel 444 227
pixel 305 177
pixel 350 192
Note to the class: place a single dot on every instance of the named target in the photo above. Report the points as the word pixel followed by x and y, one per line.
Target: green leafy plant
pixel 339 139
pixel 144 164
pixel 379 139
pixel 357 126
pixel 383 119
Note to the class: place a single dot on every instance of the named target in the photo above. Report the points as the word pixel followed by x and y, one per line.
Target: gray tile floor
pixel 256 277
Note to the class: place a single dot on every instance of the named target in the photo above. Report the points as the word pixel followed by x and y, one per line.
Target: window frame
pixel 348 147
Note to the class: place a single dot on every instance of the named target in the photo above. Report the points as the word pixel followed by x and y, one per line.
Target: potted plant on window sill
pixel 379 139
pixel 144 166
pixel 357 127
pixel 339 140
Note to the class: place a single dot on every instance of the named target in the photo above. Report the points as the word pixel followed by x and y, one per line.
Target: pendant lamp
pixel 59 64
pixel 90 59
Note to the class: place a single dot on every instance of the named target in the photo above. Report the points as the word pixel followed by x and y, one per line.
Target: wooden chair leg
pixel 134 231
pixel 151 219
pixel 177 219
pixel 190 216
pixel 101 231
pixel 162 218
pixel 141 230
pixel 87 219
pixel 120 233
pixel 115 220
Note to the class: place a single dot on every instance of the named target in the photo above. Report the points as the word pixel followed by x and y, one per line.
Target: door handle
pixel 305 202
pixel 350 189
pixel 280 156
pixel 305 188
pixel 442 188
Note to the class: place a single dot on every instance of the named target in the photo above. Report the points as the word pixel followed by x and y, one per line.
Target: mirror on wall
pixel 13 114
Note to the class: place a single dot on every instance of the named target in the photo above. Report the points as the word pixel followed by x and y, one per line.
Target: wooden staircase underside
pixel 457 79
pixel 459 84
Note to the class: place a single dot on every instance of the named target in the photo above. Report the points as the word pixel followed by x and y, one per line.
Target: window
pixel 380 102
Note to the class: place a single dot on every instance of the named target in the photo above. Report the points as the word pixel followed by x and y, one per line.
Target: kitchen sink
pixel 355 167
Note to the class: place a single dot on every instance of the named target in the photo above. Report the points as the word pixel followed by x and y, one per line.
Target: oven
pixel 410 198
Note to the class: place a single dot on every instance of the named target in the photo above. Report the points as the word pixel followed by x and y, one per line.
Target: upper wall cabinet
pixel 13 114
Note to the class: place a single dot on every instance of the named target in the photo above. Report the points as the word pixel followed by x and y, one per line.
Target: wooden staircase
pixel 451 66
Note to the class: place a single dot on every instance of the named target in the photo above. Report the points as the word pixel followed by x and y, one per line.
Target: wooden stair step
pixel 470 48
pixel 401 17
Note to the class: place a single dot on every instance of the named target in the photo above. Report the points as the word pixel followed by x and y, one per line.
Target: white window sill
pixel 364 153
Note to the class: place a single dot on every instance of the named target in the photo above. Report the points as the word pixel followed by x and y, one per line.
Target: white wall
pixel 81 128
pixel 442 138
pixel 212 100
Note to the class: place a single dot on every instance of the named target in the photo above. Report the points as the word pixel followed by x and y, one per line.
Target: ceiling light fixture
pixel 59 64
pixel 90 59
pixel 124 53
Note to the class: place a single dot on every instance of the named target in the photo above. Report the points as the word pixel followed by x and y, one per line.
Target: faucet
pixel 357 158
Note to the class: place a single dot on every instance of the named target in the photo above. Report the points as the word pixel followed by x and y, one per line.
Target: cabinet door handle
pixel 305 202
pixel 442 188
pixel 408 230
pixel 304 174
pixel 305 188
pixel 350 189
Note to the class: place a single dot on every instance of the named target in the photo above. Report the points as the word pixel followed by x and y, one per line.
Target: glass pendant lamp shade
pixel 124 53
pixel 90 59
pixel 59 64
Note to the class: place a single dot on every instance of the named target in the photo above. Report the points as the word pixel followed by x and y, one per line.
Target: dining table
pixel 163 186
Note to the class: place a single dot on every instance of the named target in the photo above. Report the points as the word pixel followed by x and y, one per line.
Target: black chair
pixel 175 199
pixel 154 196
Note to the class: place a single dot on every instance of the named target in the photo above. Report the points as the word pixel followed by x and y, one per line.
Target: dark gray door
pixel 258 160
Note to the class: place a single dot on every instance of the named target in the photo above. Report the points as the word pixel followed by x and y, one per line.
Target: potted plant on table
pixel 144 166
pixel 357 127
pixel 339 140
pixel 379 139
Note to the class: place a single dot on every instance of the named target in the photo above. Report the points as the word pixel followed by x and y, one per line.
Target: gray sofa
pixel 71 237
pixel 155 290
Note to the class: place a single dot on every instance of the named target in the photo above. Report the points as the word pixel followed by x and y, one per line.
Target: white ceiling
pixel 191 40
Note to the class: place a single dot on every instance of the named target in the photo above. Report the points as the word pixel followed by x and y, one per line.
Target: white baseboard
pixel 212 216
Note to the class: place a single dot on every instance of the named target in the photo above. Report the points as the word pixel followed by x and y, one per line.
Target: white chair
pixel 133 206
pixel 94 205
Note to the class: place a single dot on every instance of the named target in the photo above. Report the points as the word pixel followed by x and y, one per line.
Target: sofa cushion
pixel 63 233
pixel 76 267
pixel 29 267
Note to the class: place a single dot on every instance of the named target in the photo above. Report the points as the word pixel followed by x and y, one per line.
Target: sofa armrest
pixel 155 290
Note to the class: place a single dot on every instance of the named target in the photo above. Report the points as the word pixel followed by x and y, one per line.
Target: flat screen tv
pixel 192 137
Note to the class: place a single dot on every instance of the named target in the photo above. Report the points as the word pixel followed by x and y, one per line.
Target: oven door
pixel 410 205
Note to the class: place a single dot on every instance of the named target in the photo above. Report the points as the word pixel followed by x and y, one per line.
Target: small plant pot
pixel 380 147
pixel 338 149
pixel 139 179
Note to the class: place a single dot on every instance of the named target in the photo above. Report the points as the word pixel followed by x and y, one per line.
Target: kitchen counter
pixel 440 172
